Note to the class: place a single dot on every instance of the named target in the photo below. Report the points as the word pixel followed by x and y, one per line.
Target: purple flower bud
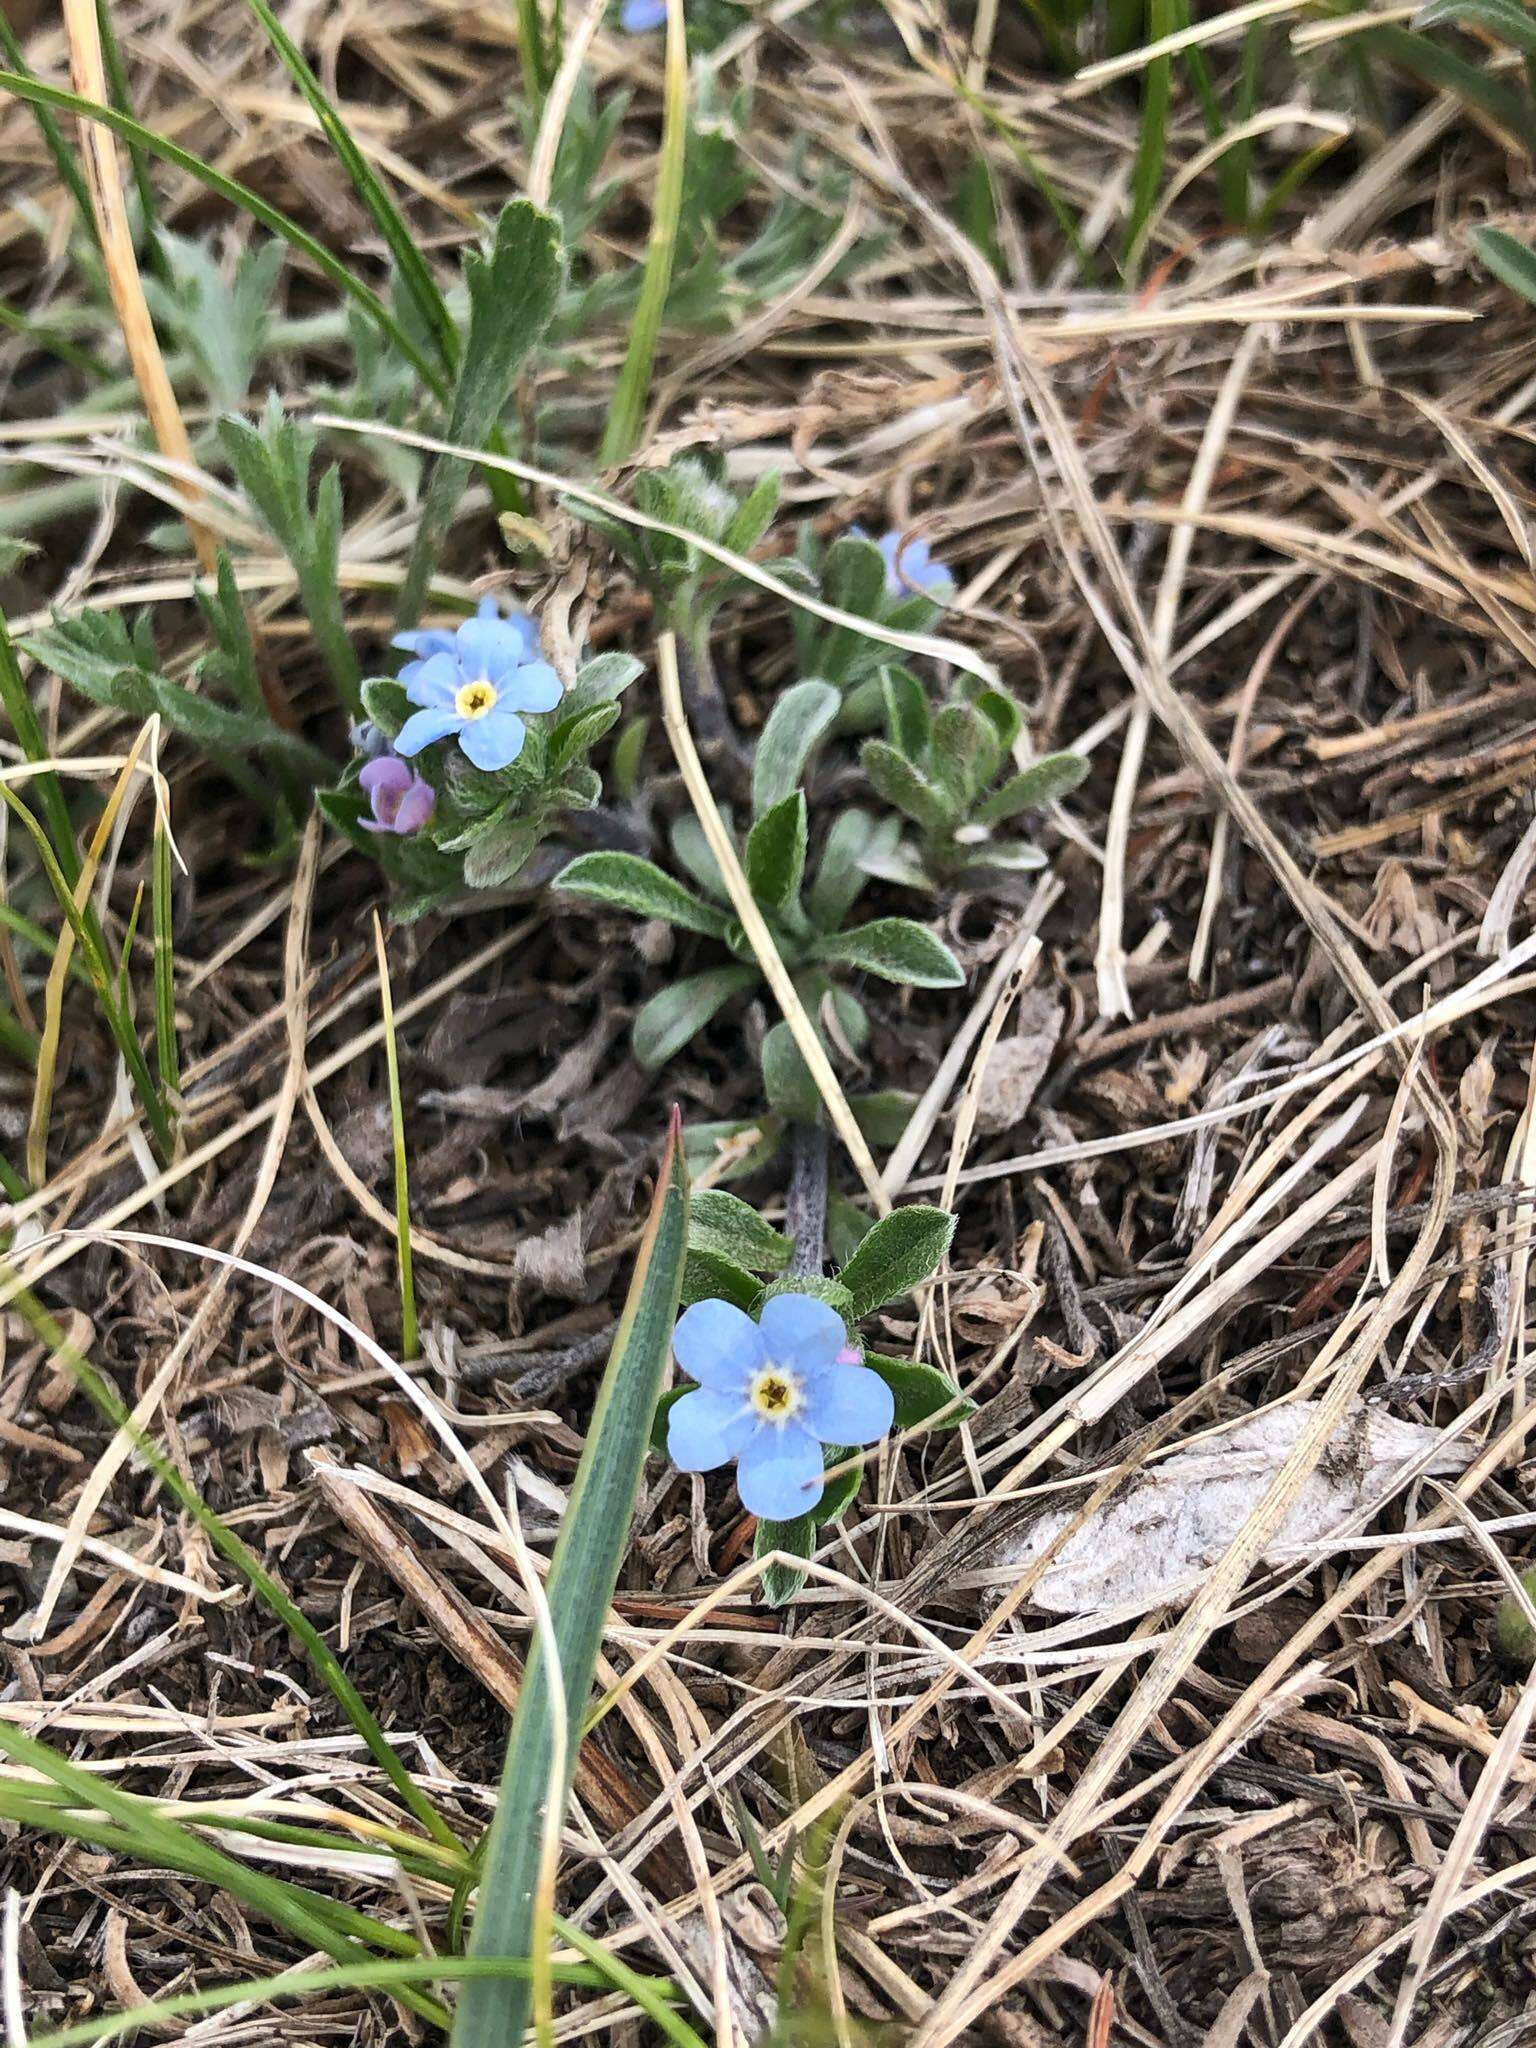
pixel 402 800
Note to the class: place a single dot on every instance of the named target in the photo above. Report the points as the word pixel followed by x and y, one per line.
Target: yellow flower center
pixel 475 699
pixel 776 1394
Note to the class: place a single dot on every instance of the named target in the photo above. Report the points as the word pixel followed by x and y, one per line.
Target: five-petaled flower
pixel 909 566
pixel 402 802
pixel 770 1394
pixel 474 682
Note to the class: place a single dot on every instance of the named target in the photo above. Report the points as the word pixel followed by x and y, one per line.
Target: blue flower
pixel 770 1394
pixel 909 566
pixel 474 682
pixel 640 16
pixel 402 802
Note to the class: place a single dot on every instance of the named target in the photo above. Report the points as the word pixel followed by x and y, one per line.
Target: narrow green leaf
pixel 840 874
pixel 403 246
pixel 896 949
pixel 900 1251
pixel 795 724
pixel 667 1022
pixel 627 410
pixel 1035 787
pixel 787 1080
pixel 37 94
pixel 906 787
pixel 1505 20
pixel 1512 262
pixel 582 1577
pixel 639 886
pixel 775 853
pixel 167 1058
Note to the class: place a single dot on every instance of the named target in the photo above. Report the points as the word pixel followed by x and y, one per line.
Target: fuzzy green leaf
pixel 725 1224
pixel 1512 262
pixel 712 1276
pixel 639 886
pixel 921 1391
pixel 900 1251
pixel 775 855
pixel 667 1022
pixel 785 744
pixel 787 1081
pixel 896 949
pixel 781 1582
pixel 1038 785
pixel 907 788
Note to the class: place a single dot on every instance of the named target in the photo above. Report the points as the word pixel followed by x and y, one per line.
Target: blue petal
pixel 718 1345
pixel 430 640
pixel 534 687
pixel 423 727
pixel 490 647
pixel 803 1332
pixel 849 1404
pixel 706 1429
pixel 494 741
pixel 780 1472
pixel 434 681
pixel 639 15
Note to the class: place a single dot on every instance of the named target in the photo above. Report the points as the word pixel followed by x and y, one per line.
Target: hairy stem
pixel 805 1205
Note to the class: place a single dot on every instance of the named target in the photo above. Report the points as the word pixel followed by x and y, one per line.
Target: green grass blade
pixel 1512 262
pixel 628 408
pixel 610 1974
pixel 104 1396
pixel 99 968
pixel 65 161
pixel 38 94
pixel 410 1340
pixel 167 1057
pixel 1435 65
pixel 1152 148
pixel 28 729
pixel 537 1776
pixel 138 1830
pixel 59 345
pixel 386 216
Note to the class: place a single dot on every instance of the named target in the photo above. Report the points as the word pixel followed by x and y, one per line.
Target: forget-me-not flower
pixel 402 802
pixel 639 16
pixel 909 566
pixel 770 1394
pixel 474 682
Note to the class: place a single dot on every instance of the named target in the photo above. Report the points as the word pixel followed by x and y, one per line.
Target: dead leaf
pixel 1155 1542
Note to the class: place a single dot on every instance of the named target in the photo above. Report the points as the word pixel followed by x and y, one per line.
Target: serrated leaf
pixel 513 291
pixel 930 807
pixel 897 950
pixel 901 1250
pixel 725 1224
pixel 795 724
pixel 1040 784
pixel 667 1022
pixel 921 1391
pixel 775 853
pixel 639 886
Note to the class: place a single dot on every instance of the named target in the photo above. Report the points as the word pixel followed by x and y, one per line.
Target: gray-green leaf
pixel 667 1022
pixel 795 724
pixel 775 856
pixel 640 886
pixel 727 1225
pixel 900 1250
pixel 896 949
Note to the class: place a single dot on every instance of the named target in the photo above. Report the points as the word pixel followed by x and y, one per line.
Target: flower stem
pixel 805 1205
